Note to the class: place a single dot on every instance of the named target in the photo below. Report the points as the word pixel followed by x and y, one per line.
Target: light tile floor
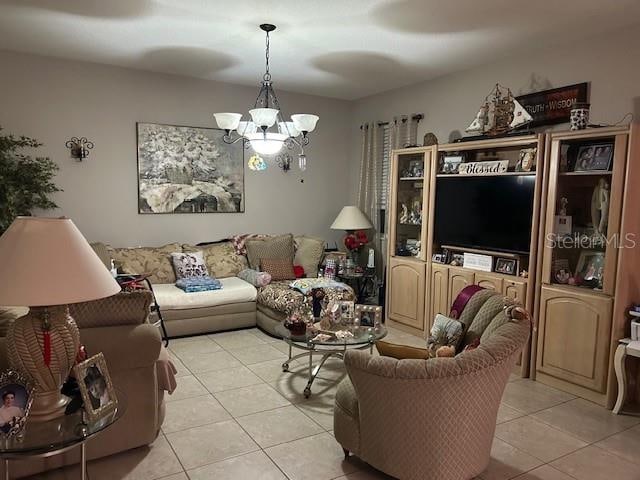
pixel 236 415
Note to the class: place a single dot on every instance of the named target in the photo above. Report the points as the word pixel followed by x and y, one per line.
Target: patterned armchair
pixel 435 418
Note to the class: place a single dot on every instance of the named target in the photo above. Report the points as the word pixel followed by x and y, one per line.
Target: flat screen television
pixel 488 213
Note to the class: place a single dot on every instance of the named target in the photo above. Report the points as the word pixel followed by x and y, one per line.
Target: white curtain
pixel 370 171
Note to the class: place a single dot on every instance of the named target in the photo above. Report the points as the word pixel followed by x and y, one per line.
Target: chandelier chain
pixel 267 75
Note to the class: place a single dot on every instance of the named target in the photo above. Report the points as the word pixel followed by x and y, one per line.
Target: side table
pixel 626 347
pixel 360 282
pixel 56 436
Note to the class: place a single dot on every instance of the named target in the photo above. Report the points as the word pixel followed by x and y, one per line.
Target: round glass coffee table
pixel 45 439
pixel 363 338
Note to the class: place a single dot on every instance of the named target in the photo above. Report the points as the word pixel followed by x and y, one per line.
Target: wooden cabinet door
pixel 406 286
pixel 458 279
pixel 439 285
pixel 574 335
pixel 516 290
pixel 488 280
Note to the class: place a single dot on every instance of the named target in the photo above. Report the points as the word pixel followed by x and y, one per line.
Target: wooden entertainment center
pixel 570 274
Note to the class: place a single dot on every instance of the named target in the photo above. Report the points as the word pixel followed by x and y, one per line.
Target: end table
pixel 361 283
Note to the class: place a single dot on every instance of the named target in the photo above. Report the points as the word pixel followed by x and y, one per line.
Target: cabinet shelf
pixel 406 179
pixel 585 174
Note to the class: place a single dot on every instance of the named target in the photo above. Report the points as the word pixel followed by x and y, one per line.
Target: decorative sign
pixel 475 261
pixel 554 106
pixel 483 168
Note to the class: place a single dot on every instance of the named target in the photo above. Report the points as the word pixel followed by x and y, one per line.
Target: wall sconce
pixel 79 147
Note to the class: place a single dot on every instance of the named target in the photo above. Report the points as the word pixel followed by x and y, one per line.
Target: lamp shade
pixel 227 121
pixel 305 122
pixel 351 218
pixel 47 261
pixel 288 129
pixel 246 128
pixel 264 117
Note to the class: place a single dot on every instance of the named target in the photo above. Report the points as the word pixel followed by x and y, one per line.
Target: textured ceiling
pixel 338 48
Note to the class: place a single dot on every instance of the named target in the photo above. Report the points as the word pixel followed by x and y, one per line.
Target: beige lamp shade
pixel 47 261
pixel 351 218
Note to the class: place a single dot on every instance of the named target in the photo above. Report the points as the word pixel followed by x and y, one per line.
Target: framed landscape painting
pixel 188 170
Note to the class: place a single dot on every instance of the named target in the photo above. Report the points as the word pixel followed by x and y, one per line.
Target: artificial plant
pixel 25 182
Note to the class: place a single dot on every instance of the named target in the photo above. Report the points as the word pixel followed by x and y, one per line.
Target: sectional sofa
pixel 238 304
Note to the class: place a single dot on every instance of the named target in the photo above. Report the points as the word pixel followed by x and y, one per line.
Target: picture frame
pixel 590 268
pixel 186 169
pixel 17 394
pixel 439 258
pixel 561 271
pixel 347 309
pixel 95 386
pixel 368 315
pixel 451 163
pixel 457 259
pixel 595 157
pixel 507 266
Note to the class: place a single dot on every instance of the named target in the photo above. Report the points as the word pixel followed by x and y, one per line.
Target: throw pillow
pixel 276 247
pixel 278 268
pixel 189 265
pixel 445 332
pixel 254 277
pixel 309 253
pixel 298 271
pixel 401 352
pixel 239 241
pixel 220 258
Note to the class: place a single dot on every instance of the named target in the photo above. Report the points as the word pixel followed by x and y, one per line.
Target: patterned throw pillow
pixel 220 258
pixel 189 265
pixel 153 260
pixel 278 268
pixel 401 352
pixel 238 241
pixel 445 331
pixel 276 247
pixel 254 277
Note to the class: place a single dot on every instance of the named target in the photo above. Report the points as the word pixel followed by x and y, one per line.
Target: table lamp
pixel 46 264
pixel 351 219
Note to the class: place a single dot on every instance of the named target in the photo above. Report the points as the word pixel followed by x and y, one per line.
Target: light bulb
pixel 302 162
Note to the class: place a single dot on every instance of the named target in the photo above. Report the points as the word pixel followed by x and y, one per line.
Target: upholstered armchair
pixel 434 418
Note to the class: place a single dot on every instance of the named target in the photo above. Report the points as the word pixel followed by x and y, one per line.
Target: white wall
pixel 610 62
pixel 54 100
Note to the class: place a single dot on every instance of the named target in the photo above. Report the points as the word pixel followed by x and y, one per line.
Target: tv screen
pixel 488 213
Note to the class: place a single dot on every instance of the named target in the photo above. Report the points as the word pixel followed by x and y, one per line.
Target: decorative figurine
pixel 404 216
pixel 600 207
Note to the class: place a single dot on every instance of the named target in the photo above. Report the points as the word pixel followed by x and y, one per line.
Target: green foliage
pixel 25 183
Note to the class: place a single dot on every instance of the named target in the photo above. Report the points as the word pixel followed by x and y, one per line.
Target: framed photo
pixel 95 385
pixel 590 269
pixel 368 315
pixel 457 259
pixel 560 270
pixel 188 170
pixel 439 258
pixel 451 163
pixel 17 395
pixel 508 266
pixel 594 157
pixel 347 309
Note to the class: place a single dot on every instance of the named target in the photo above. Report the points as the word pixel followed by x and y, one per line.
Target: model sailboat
pixel 500 113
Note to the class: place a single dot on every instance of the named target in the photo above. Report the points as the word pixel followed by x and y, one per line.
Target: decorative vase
pixel 27 351
pixel 579 116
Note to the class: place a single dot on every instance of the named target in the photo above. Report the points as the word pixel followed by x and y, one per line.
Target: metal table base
pixel 311 349
pixel 83 458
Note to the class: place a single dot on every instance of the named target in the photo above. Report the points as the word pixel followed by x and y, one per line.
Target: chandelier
pixel 266 113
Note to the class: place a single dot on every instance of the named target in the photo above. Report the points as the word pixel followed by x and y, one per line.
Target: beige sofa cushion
pixel 124 308
pixel 309 253
pixel 221 259
pixel 234 290
pixel 275 247
pixel 153 260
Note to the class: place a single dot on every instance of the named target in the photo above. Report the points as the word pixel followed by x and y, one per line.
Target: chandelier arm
pixel 228 139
